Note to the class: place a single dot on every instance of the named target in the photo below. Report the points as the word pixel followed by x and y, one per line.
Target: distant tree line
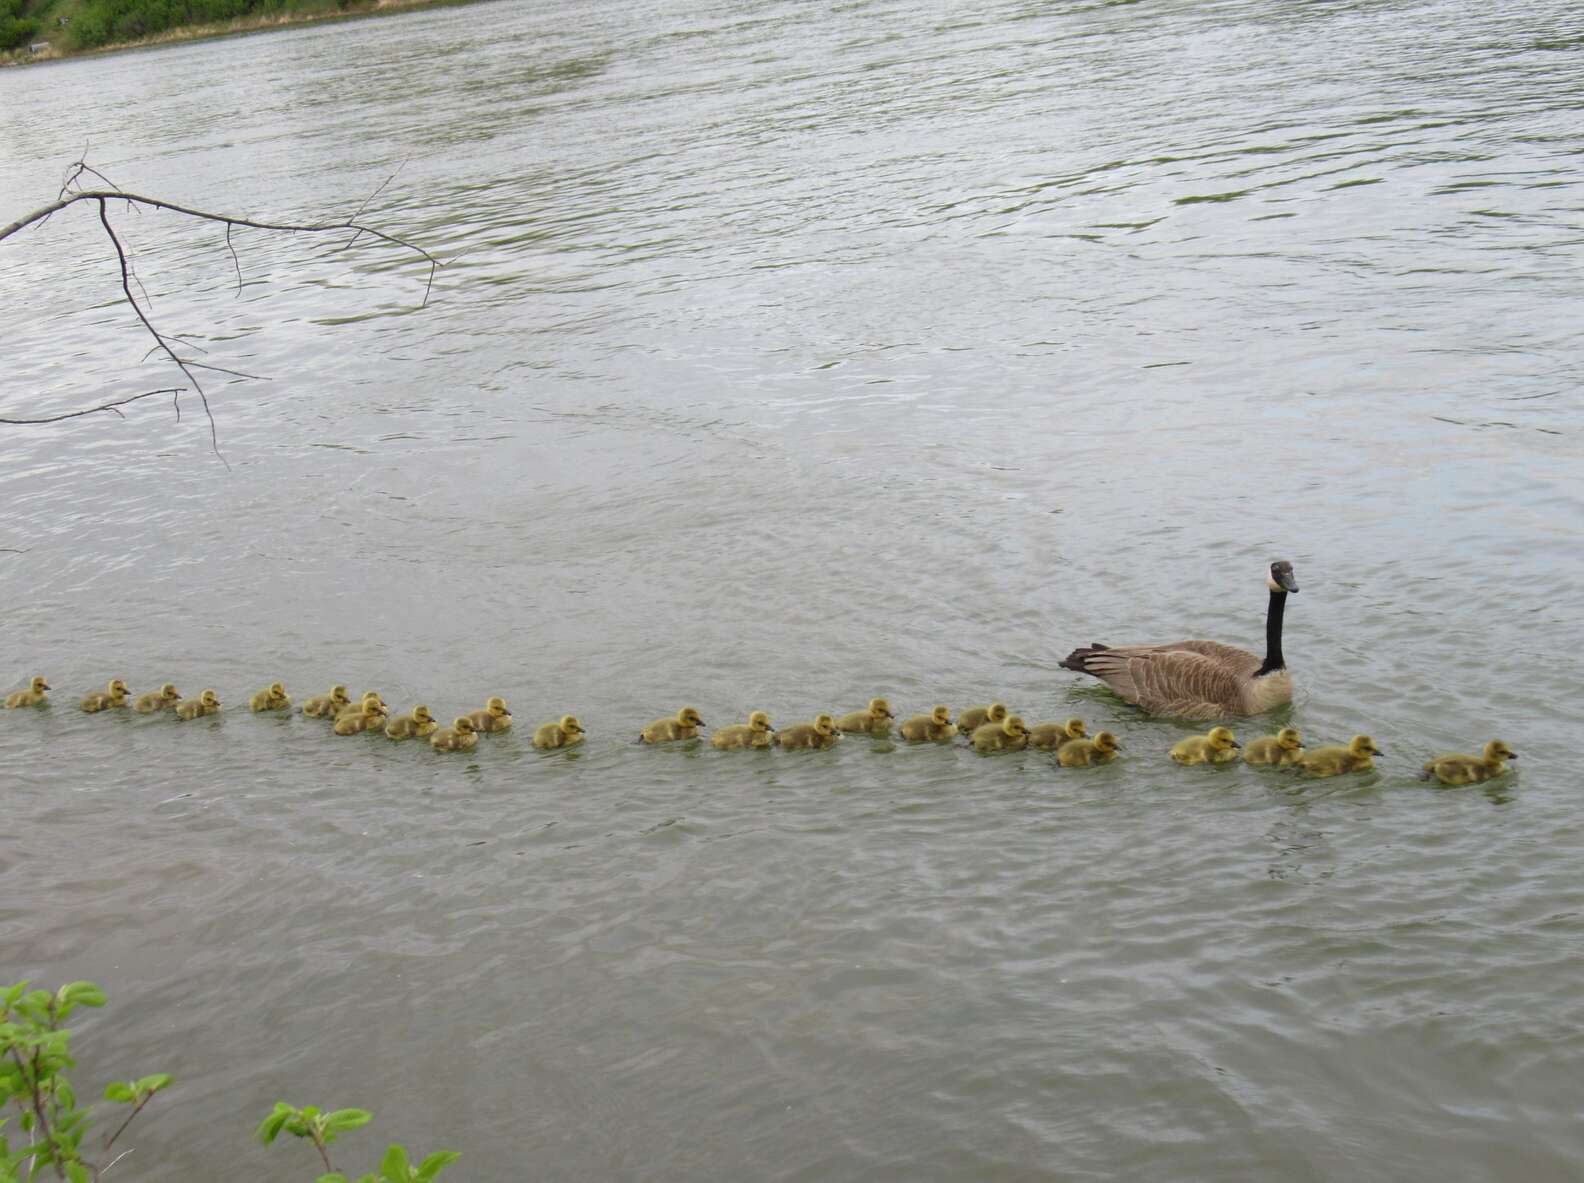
pixel 16 30
pixel 102 22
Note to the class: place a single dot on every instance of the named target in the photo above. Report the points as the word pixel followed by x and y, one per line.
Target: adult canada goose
pixel 756 733
pixel 1332 761
pixel 416 725
pixel 328 706
pixel 821 733
pixel 1009 735
pixel 36 695
pixel 1285 747
pixel 459 737
pixel 682 725
pixel 1200 679
pixel 1217 747
pixel 1050 736
pixel 1456 768
pixel 1081 753
pixel 272 698
pixel 207 703
pixel 559 735
pixel 163 699
pixel 976 717
pixel 935 726
pixel 494 716
pixel 114 695
pixel 875 718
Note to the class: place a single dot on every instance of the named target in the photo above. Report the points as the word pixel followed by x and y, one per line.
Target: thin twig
pixel 236 262
pixel 110 406
pixel 136 1109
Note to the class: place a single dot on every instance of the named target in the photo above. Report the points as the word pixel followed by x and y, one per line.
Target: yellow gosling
pixel 459 737
pixel 1009 735
pixel 1285 747
pixel 559 735
pixel 1083 753
pixel 1217 747
pixel 876 718
pixel 976 717
pixel 756 733
pixel 328 706
pixel 272 698
pixel 207 703
pixel 494 716
pixel 110 698
pixel 36 695
pixel 163 699
pixel 933 727
pixel 1333 761
pixel 1050 736
pixel 821 733
pixel 414 726
pixel 1456 768
pixel 683 725
pixel 368 715
pixel 370 697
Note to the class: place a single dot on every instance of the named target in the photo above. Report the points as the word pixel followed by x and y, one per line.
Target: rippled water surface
pixel 786 354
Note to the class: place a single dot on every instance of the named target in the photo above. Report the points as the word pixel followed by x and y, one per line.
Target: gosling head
pixel 940 715
pixel 1221 739
pixel 997 712
pixel 879 708
pixel 1288 739
pixel 339 694
pixel 169 692
pixel 689 717
pixel 118 688
pixel 462 725
pixel 825 725
pixel 570 725
pixel 277 690
pixel 1363 745
pixel 760 721
pixel 1106 742
pixel 209 698
pixel 1013 725
pixel 1281 578
pixel 421 714
pixel 1497 750
pixel 1075 728
pixel 37 685
pixel 373 696
pixel 497 707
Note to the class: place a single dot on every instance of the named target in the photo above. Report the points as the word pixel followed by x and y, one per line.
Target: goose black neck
pixel 1273 630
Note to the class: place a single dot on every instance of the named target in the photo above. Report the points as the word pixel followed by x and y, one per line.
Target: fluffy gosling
pixel 876 718
pixel 1285 747
pixel 976 717
pixel 822 733
pixel 207 703
pixel 163 699
pixel 1457 768
pixel 1083 753
pixel 683 725
pixel 559 735
pixel 328 706
pixel 36 695
pixel 1217 747
pixel 272 698
pixel 1009 735
pixel 494 716
pixel 933 727
pixel 111 697
pixel 459 737
pixel 368 715
pixel 414 726
pixel 756 733
pixel 1050 736
pixel 1333 761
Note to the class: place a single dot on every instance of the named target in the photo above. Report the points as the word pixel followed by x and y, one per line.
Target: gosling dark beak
pixel 1512 755
pixel 1378 752
pixel 1236 744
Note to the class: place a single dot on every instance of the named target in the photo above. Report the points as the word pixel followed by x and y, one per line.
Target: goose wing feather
pixel 1172 679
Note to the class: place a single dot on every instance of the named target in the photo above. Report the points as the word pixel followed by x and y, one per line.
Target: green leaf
pixel 337 1177
pixel 65 1094
pixel 309 1112
pixel 120 1091
pixel 149 1085
pixel 78 1173
pixel 394 1166
pixel 270 1128
pixel 345 1119
pixel 434 1164
pixel 78 994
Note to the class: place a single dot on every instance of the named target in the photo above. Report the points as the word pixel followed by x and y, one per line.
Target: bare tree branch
pixel 110 406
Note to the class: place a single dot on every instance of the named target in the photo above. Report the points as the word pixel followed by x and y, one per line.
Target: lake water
pixel 788 354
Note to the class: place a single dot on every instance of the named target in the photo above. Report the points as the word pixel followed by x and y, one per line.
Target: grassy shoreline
pixel 331 11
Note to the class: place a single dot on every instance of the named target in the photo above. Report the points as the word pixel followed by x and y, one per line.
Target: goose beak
pixel 1236 744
